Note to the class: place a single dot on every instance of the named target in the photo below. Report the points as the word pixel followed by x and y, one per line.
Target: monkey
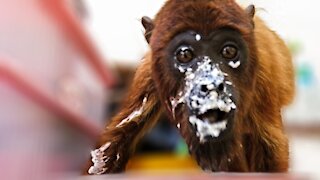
pixel 221 76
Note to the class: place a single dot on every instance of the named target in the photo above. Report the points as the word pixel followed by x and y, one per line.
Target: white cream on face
pixel 229 83
pixel 180 68
pixel 234 65
pixel 210 76
pixel 204 128
pixel 198 37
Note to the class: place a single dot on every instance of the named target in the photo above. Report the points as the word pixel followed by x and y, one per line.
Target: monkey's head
pixel 204 63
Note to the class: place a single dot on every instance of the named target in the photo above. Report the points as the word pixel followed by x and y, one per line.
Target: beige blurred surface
pixel 198 176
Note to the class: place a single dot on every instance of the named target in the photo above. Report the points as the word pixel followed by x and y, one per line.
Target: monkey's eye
pixel 229 52
pixel 184 54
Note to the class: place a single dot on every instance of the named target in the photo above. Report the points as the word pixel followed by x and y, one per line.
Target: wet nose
pixel 211 87
pixel 220 87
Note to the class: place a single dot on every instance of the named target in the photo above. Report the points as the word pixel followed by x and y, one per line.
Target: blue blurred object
pixel 305 75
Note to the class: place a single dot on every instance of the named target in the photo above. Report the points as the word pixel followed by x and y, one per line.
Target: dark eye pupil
pixel 184 55
pixel 229 52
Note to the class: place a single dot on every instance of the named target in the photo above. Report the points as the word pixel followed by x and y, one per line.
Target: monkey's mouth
pixel 211 125
pixel 213 116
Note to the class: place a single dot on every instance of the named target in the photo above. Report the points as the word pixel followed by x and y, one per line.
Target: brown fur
pixel 258 143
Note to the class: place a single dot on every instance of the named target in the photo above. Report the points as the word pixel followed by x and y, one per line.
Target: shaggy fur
pixel 258 142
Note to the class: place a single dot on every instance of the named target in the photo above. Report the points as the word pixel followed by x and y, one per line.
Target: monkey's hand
pixel 112 156
pixel 104 160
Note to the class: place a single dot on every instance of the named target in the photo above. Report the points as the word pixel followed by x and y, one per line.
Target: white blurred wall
pixel 116 27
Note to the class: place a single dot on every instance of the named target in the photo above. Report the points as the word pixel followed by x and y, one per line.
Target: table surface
pixel 196 176
pixel 172 167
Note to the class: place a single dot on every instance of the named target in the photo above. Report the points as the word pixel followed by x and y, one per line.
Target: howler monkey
pixel 221 75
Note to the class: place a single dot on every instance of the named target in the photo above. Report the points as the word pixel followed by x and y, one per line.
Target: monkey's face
pixel 205 67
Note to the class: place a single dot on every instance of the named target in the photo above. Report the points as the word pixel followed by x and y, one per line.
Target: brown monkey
pixel 222 77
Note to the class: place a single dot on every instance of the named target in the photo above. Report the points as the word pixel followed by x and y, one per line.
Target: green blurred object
pixel 182 148
pixel 295 46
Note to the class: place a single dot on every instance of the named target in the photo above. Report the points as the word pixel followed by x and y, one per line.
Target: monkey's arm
pixel 267 148
pixel 139 113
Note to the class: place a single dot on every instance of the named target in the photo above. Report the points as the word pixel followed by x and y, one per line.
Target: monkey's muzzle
pixel 209 100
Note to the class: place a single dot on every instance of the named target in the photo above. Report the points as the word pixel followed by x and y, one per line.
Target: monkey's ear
pixel 251 11
pixel 148 26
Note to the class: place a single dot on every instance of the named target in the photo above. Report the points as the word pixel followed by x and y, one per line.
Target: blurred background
pixel 65 66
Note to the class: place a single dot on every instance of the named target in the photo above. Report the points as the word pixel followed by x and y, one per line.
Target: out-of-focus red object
pixel 53 89
pixel 69 23
pixel 27 87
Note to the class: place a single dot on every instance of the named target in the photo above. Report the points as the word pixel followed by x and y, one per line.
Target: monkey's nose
pixel 220 87
pixel 207 88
